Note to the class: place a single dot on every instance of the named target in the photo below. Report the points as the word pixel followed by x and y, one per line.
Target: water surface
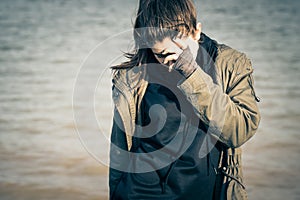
pixel 42 45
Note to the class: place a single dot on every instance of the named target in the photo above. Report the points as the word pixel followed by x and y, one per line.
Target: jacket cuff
pixel 197 81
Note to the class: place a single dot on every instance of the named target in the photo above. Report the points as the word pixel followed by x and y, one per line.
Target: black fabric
pixel 189 176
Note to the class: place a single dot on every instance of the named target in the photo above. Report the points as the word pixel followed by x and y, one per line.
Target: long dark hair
pixel 156 20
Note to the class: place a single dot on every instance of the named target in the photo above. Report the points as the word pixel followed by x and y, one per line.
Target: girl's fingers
pixel 171 67
pixel 180 43
pixel 170 58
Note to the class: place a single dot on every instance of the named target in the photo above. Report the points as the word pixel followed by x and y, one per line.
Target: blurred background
pixel 44 43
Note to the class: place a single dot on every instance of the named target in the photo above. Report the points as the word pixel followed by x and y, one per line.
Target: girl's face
pixel 165 48
pixel 168 50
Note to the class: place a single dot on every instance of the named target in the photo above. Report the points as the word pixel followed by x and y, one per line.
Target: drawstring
pixel 208 159
pixel 234 178
pixel 208 156
pixel 223 166
pixel 164 180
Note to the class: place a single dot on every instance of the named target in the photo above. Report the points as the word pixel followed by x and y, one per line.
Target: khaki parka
pixel 221 91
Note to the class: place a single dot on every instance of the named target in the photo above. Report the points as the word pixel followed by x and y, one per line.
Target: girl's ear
pixel 197 32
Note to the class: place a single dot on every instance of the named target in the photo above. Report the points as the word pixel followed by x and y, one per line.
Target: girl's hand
pixel 185 62
pixel 169 50
pixel 177 50
pixel 180 46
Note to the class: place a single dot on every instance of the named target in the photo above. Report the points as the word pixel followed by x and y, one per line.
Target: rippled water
pixel 42 46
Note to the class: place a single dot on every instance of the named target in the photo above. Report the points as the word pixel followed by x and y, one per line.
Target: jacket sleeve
pixel 233 117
